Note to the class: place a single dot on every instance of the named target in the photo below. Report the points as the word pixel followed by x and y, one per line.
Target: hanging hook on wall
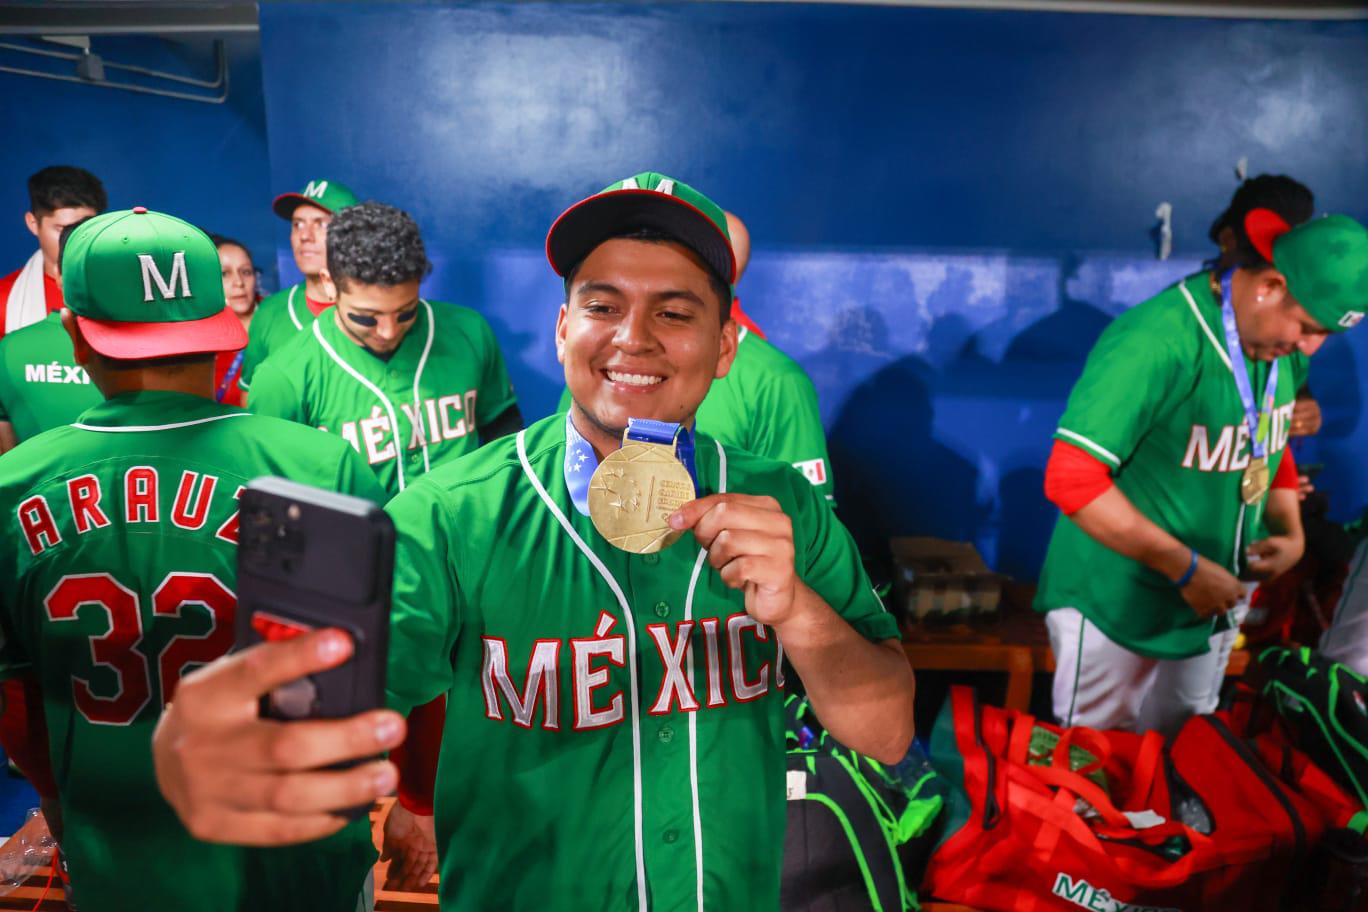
pixel 1164 229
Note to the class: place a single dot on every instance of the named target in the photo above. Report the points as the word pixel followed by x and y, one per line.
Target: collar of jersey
pixel 581 462
pixel 150 408
pixel 405 358
pixel 1209 312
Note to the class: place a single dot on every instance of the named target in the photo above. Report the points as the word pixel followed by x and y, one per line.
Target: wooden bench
pixel 1018 646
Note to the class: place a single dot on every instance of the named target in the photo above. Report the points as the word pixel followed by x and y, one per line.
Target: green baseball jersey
pixel 117 578
pixel 444 381
pixel 766 404
pixel 277 320
pixel 41 385
pixel 615 729
pixel 1157 402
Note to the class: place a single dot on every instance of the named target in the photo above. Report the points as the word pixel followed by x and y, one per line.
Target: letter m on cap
pixel 315 189
pixel 166 287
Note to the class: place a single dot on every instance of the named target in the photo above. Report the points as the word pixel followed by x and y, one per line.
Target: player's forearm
pixel 1112 520
pixel 1283 514
pixel 861 691
pixel 8 439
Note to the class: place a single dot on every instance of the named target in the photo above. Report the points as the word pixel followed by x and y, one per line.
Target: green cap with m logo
pixel 328 195
pixel 145 284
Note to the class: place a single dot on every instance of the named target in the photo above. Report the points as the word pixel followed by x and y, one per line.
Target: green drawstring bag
pixel 859 832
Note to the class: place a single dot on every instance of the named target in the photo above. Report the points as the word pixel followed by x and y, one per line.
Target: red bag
pixel 1336 876
pixel 1019 840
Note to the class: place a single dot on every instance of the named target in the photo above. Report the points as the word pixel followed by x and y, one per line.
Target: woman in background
pixel 240 292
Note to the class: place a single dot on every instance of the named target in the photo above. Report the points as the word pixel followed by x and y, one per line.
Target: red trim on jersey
pixel 23 733
pixel 740 316
pixel 52 295
pixel 1287 472
pixel 316 307
pixel 417 757
pixel 1074 477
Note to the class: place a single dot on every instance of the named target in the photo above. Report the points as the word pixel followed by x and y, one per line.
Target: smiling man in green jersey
pixel 409 383
pixel 615 724
pixel 766 403
pixel 290 311
pixel 1183 412
pixel 119 563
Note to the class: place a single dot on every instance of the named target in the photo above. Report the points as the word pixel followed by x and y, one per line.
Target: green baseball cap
pixel 646 200
pixel 1325 262
pixel 147 285
pixel 328 195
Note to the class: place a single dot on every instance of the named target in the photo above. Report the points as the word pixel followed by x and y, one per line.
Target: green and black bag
pixel 858 832
pixel 1324 705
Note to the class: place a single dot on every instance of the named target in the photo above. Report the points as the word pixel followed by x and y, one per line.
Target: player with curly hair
pixel 409 383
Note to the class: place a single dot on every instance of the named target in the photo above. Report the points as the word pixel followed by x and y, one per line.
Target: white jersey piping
pixel 1192 303
pixel 289 308
pixel 633 691
pixel 693 716
pixel 139 428
pixel 1092 445
pixel 417 402
pixel 384 400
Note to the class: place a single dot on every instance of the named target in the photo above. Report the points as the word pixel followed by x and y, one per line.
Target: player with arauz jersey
pixel 118 568
pixel 409 383
pixel 1170 464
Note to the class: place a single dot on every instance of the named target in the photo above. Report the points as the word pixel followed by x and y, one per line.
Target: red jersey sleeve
pixel 417 757
pixel 1074 477
pixel 1287 471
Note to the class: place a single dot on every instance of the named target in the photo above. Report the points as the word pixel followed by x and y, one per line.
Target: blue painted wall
pixel 947 206
pixel 205 163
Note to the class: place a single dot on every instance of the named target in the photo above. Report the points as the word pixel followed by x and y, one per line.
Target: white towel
pixel 27 298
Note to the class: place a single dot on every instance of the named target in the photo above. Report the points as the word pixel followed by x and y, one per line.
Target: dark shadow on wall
pixel 1066 335
pixel 892 476
pixel 1027 519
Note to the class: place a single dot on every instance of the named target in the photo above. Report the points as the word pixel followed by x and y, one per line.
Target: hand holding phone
pixel 309 559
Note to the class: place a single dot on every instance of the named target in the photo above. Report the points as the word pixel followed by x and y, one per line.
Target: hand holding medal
pixel 750 542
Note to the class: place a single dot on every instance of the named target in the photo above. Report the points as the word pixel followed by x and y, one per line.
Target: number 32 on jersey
pixel 118 654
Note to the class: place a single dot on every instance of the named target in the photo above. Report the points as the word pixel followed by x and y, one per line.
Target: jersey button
pixel 666 734
pixel 662 609
pixel 651 559
pixel 670 836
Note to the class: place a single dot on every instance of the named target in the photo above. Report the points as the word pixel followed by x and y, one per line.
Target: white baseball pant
pixel 1101 684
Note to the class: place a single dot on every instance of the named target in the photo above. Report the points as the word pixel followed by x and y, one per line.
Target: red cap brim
pixel 1263 227
pixel 138 341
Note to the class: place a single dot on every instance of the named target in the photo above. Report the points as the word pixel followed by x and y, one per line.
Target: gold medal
pixel 634 491
pixel 1254 482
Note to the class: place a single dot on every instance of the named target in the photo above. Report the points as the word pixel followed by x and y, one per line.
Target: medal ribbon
pixel 1257 420
pixel 581 461
pixel 229 376
pixel 647 430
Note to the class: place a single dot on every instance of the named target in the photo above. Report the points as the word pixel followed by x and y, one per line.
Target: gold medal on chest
pixel 634 491
pixel 1254 482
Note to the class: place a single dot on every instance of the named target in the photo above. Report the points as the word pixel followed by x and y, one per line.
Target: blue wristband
pixel 1186 578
